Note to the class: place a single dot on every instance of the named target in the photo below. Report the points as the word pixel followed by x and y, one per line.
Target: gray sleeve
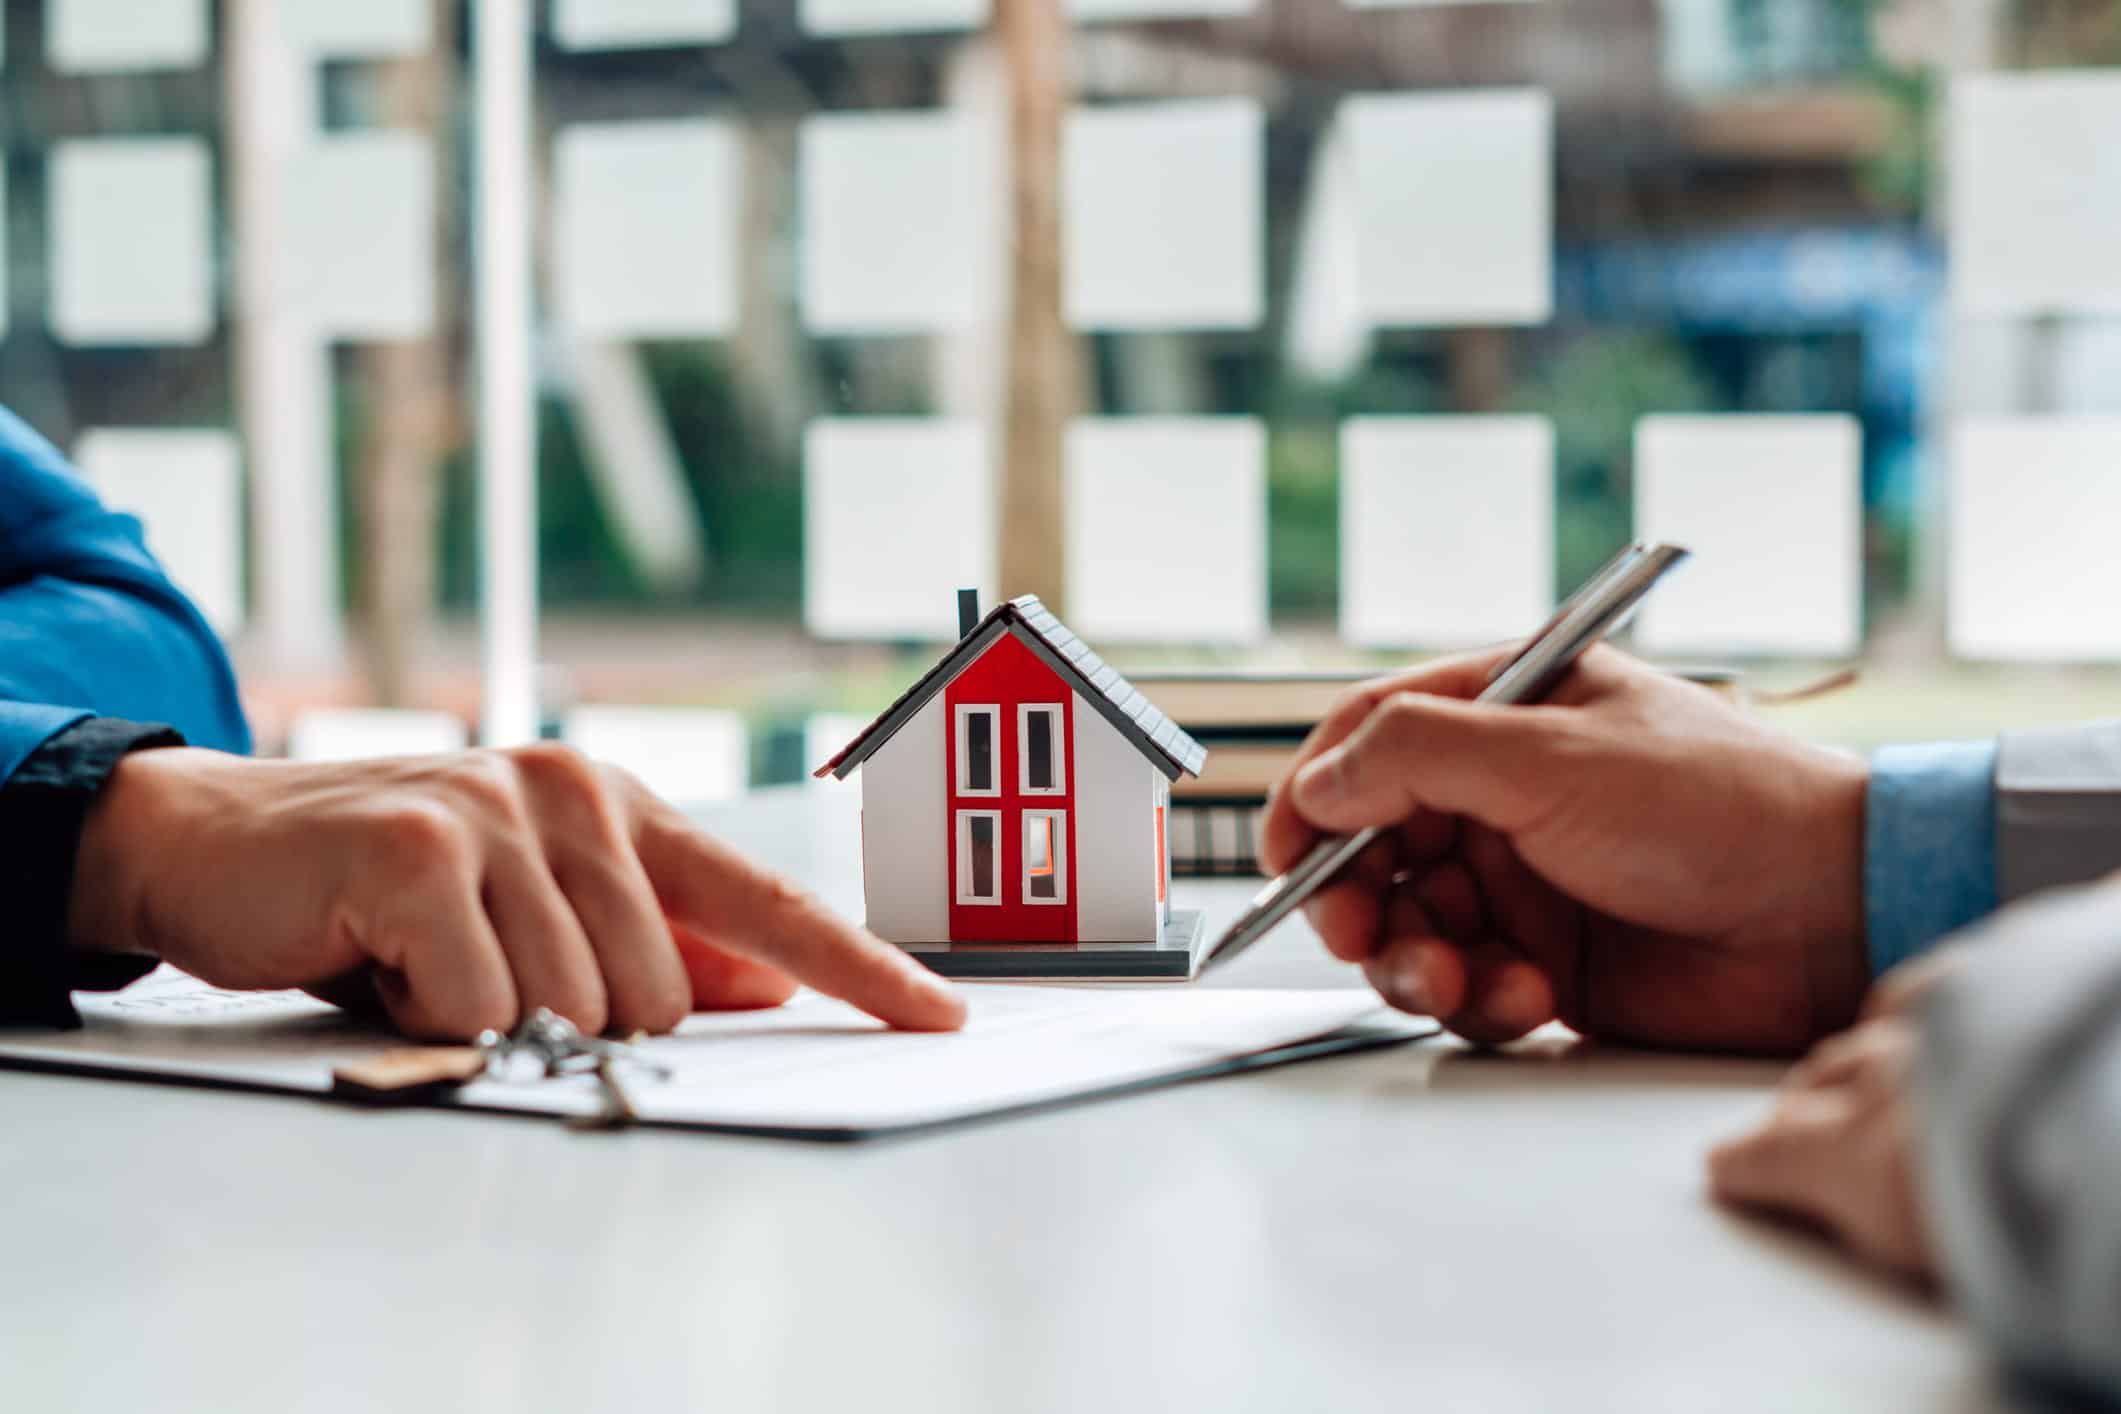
pixel 2019 1102
pixel 2058 807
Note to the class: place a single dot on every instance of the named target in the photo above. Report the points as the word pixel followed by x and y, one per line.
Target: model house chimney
pixel 967 612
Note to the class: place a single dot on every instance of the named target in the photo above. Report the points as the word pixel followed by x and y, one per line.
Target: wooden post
pixel 1479 364
pixel 1043 387
pixel 410 410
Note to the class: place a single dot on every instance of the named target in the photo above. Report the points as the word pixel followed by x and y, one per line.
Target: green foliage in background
pixel 749 494
pixel 747 497
pixel 1595 388
pixel 1304 417
pixel 580 559
pixel 1593 384
pixel 1898 177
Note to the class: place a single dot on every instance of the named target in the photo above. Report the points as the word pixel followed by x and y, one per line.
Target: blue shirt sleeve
pixel 89 623
pixel 1929 864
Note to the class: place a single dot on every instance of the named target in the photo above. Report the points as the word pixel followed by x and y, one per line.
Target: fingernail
pixel 1410 990
pixel 1515 995
pixel 1322 780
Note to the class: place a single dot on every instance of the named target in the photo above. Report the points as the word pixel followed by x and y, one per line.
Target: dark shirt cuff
pixel 42 809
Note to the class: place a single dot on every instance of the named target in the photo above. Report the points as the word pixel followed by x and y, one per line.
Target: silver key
pixel 616 1110
pixel 556 1047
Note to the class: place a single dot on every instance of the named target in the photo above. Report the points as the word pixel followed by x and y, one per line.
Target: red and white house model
pixel 1019 793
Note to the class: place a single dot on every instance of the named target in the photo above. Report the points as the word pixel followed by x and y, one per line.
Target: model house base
pixel 1176 958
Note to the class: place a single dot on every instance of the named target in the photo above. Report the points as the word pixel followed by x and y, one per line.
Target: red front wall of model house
pixel 1006 677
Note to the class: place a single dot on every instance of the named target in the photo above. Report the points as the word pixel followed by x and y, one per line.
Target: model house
pixel 1018 793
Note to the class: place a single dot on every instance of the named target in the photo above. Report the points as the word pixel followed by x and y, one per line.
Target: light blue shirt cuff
pixel 1929 849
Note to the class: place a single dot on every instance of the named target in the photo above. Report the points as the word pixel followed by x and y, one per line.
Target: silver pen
pixel 1597 609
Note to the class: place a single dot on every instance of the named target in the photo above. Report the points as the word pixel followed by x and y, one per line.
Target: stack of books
pixel 1252 725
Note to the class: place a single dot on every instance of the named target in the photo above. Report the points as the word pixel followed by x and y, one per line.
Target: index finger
pixel 739 905
pixel 1285 834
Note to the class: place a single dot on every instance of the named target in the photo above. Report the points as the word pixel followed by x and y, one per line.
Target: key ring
pixel 558 1047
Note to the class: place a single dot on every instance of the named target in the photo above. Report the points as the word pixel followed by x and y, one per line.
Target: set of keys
pixel 544 1046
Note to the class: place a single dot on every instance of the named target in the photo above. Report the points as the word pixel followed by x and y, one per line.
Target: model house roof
pixel 1098 683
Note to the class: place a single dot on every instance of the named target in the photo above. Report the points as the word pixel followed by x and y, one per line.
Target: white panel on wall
pixel 124 36
pixel 891 16
pixel 1157 9
pixel 645 218
pixel 131 240
pixel 1167 529
pixel 185 485
pixel 1772 507
pixel 687 755
pixel 2035 511
pixel 641 24
pixel 1446 529
pixel 365 733
pixel 900 223
pixel 1164 215
pixel 2035 193
pixel 898 515
pixel 1454 197
pixel 360 233
pixel 371 29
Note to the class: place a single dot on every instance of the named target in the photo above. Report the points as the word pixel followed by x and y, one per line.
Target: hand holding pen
pixel 1636 857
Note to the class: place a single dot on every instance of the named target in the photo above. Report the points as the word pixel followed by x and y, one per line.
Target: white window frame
pixel 1059 716
pixel 1059 820
pixel 963 843
pixel 993 714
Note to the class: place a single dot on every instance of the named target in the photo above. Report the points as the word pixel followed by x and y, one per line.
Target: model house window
pixel 1040 767
pixel 979 835
pixel 1045 856
pixel 976 767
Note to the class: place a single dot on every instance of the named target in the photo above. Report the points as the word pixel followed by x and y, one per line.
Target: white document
pixel 815 1067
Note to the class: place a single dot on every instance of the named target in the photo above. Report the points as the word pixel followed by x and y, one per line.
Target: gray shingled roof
pixel 1101 685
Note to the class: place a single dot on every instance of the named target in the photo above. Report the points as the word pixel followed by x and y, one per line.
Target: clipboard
pixel 814 1069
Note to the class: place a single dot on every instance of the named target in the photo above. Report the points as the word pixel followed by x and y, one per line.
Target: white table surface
pixel 1424 1228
